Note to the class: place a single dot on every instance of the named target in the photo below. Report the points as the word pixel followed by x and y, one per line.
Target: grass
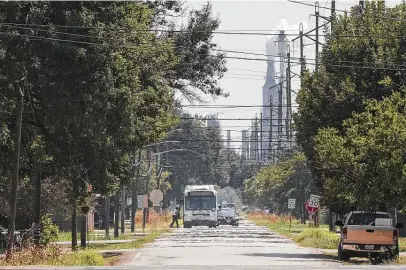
pixel 138 243
pixel 302 234
pixel 53 255
pixel 402 244
pixel 67 236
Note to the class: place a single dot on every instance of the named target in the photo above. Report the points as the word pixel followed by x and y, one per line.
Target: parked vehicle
pixel 368 234
pixel 200 206
pixel 227 216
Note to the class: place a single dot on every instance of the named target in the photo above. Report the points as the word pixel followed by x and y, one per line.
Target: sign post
pixel 291 206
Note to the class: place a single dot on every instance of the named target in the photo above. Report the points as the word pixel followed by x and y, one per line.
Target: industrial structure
pixel 271 133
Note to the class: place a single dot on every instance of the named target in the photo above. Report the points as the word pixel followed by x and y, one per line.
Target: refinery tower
pixel 274 99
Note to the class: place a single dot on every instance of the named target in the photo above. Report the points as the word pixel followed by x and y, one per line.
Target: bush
pixel 49 232
pixel 52 255
pixel 318 238
pixel 87 257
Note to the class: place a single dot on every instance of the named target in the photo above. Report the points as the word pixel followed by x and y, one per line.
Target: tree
pixel 274 184
pixel 98 86
pixel 353 70
pixel 365 166
pixel 202 158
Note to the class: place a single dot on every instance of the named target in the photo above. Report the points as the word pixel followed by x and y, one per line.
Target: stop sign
pixel 310 209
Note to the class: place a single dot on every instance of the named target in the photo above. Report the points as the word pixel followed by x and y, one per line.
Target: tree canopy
pixel 361 65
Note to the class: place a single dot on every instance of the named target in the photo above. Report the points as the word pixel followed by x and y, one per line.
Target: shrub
pixel 49 232
pixel 52 255
pixel 318 238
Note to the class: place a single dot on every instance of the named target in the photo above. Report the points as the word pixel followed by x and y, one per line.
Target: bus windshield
pixel 201 203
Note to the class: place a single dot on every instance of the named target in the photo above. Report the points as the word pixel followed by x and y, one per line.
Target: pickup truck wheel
pixel 342 255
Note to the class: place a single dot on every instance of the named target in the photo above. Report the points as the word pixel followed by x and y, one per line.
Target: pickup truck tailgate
pixel 369 235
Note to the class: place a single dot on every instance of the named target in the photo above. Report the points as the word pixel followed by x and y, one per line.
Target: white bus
pixel 200 206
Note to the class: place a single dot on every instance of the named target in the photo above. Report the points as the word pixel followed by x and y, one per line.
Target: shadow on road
pixel 292 256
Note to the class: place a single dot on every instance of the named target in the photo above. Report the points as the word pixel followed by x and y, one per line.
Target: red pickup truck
pixel 368 234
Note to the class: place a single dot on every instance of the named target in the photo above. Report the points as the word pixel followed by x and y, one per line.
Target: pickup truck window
pixel 365 218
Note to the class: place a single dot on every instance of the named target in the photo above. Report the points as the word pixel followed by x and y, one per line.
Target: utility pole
pixel 260 143
pixel 256 138
pixel 116 213
pixel 144 219
pixel 134 202
pixel 123 203
pixel 280 119
pixel 302 62
pixel 317 36
pixel 333 10
pixel 107 216
pixel 270 129
pixel 288 99
pixel 157 168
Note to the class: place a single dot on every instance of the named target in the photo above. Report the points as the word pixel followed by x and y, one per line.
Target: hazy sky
pixel 244 79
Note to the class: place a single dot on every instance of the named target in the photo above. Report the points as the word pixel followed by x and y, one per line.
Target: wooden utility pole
pixel 14 181
pixel 280 116
pixel 123 204
pixel 134 203
pixel 107 216
pixel 288 100
pixel 270 129
pixel 260 143
pixel 116 213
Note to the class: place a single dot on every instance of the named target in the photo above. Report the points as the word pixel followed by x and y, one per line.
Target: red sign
pixel 310 209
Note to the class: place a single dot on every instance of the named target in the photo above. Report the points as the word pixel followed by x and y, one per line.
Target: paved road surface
pixel 227 248
pixel 246 245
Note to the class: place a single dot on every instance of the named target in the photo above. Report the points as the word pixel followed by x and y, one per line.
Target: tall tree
pixel 362 59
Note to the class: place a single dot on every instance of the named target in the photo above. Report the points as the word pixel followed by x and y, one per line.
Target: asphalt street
pixel 245 247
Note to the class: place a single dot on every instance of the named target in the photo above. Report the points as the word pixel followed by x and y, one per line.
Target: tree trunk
pixel 134 203
pixel 14 183
pixel 116 213
pixel 123 203
pixel 37 197
pixel 107 217
pixel 74 224
pixel 83 230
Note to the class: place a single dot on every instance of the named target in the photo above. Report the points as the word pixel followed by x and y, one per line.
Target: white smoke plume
pixel 271 45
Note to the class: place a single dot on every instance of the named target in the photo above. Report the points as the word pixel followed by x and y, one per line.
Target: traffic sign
pixel 156 196
pixel 314 201
pixel 291 203
pixel 311 209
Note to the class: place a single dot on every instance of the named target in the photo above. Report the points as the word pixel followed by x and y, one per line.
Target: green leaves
pixel 350 120
pixel 273 185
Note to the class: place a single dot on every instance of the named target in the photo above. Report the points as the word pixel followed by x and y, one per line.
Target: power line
pixel 228 57
pixel 234 106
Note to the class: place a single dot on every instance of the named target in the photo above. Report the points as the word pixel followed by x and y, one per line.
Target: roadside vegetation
pixel 53 255
pixel 302 234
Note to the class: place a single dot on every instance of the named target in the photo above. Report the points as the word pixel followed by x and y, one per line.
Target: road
pixel 246 244
pixel 245 247
pixel 226 248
